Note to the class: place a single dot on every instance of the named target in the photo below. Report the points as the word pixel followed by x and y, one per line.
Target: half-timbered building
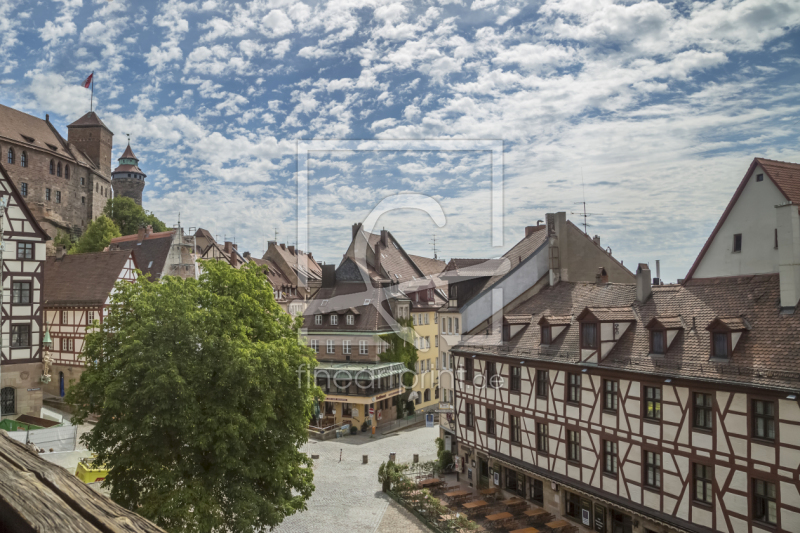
pixel 631 408
pixel 77 294
pixel 21 326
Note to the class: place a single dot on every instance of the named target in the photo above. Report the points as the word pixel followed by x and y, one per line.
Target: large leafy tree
pixel 129 216
pixel 202 410
pixel 96 237
pixel 402 351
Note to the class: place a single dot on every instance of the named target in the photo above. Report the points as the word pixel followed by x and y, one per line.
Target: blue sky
pixel 656 107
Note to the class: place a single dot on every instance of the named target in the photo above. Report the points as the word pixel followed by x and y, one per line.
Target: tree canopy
pixel 97 236
pixel 201 408
pixel 130 216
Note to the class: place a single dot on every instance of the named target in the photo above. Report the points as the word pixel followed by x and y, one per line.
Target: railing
pixel 407 421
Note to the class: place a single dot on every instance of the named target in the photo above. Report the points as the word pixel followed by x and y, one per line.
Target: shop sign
pixel 599 518
pixel 429 420
pixel 586 516
pixel 497 478
pixel 34 390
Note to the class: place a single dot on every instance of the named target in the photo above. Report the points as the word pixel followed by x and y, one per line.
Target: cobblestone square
pixel 348 497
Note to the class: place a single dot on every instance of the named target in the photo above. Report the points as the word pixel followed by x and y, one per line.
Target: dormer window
pixel 725 335
pixel 657 341
pixel 351 320
pixel 334 320
pixel 589 335
pixel 546 335
pixel 317 320
pixel 663 330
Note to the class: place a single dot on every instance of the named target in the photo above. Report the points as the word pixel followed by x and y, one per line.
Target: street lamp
pixel 47 343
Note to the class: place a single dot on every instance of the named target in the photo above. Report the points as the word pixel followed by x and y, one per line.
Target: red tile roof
pixel 88 120
pixel 128 154
pixel 151 254
pixel 82 279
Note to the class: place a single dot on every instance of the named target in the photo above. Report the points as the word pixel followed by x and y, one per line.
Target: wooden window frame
pixel 363 348
pixel 655 401
pixel 15 291
pixel 575 388
pixel 514 378
pixel 728 344
pixel 707 482
pixel 596 326
pixel 706 410
pixel 542 383
pixel 574 446
pixel 610 453
pixel 15 336
pixel 761 502
pixel 350 320
pixel 768 418
pixel 654 467
pixel 490 421
pixel 546 335
pixel 491 371
pixel 334 320
pixel 612 395
pixel 736 247
pixel 514 429
pixel 542 442
pixel 24 247
pixel 663 333
pixel 469 414
pixel 469 369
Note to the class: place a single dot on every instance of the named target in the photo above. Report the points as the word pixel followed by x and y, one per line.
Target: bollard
pixel 365 459
pixel 392 457
pixel 416 457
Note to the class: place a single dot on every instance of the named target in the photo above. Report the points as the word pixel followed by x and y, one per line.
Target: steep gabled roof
pixel 151 254
pixel 428 265
pixel 785 176
pixel 82 279
pixel 88 120
pixel 23 128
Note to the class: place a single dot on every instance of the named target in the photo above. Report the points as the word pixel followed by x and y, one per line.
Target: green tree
pixel 129 216
pixel 63 239
pixel 202 407
pixel 401 351
pixel 97 236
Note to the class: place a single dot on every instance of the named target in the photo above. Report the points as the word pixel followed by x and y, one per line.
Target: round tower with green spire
pixel 127 179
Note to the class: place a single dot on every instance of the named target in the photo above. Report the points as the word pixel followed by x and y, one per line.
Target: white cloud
pixel 281 47
pixel 276 23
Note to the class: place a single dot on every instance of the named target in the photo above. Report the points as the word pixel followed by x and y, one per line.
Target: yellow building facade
pixel 426 328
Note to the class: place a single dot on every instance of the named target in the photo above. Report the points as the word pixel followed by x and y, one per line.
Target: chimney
pixel 356 227
pixel 602 274
pixel 385 237
pixel 328 276
pixel 247 256
pixel 596 240
pixel 236 247
pixel 283 245
pixel 228 247
pixel 140 237
pixel 643 286
pixel 60 252
pixel 657 279
pixel 378 250
pixel 788 220
pixel 530 230
pixel 291 249
pixel 272 244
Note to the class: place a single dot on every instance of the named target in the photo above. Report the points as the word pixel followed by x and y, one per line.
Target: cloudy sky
pixel 651 111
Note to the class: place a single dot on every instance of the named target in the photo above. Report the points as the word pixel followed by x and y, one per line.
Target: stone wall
pixel 72 375
pixel 130 188
pixel 24 376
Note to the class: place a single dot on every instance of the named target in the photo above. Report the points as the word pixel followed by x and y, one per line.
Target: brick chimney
pixel 643 283
pixel 228 247
pixel 788 219
pixel 601 276
pixel 60 253
pixel 141 235
pixel 385 237
pixel 596 240
pixel 291 249
pixel 247 256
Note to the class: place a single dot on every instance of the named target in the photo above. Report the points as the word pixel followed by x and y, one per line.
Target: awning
pixel 352 371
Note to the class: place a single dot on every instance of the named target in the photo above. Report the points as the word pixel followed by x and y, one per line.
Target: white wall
pixel 753 216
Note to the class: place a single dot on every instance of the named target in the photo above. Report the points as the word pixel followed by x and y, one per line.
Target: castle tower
pixel 127 179
pixel 90 135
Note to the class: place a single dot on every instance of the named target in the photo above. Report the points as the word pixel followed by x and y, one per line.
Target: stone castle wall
pixel 129 187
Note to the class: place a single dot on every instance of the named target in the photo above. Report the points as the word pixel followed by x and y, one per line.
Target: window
pixel 542 383
pixel 575 506
pixel 58 197
pixel 610 399
pixel 574 388
pixel 610 457
pixel 24 250
pixel 47 194
pixel 435 318
pixel 23 189
pixel 546 335
pixel 362 348
pixel 515 482
pixel 455 325
pixel 514 429
pixel 537 491
pixel 8 401
pixel 516 379
pixel 350 320
pixel 703 413
pixel 52 167
pixel 468 414
pixel 66 345
pixel 21 292
pixel 90 317
pixel 317 320
pixel 652 469
pixel 652 403
pixel 490 421
pixel 720 346
pixel 491 372
pixel 10 156
pixel 315 345
pixel 589 336
pixel 58 169
pixel 346 346
pixel 573 445
pixel 737 243
pixel 65 317
pixel 467 369
pixel 23 159
pixel 657 344
pixel 759 177
pixel 334 320
pixel 83 200
pixel 66 171
pixel 436 341
pixel 541 438
pixel 20 336
pixel 83 180
pixel 330 348
pixel 765 504
pixel 763 419
pixel 703 489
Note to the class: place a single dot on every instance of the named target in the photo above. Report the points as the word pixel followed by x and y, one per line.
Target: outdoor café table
pixel 430 482
pixel 489 492
pixel 457 493
pixel 475 505
pixel 533 513
pixel 557 524
pixel 526 530
pixel 499 517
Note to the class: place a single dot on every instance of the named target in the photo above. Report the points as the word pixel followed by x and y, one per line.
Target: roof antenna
pixel 129 138
pixel 585 215
pixel 276 235
pixel 435 252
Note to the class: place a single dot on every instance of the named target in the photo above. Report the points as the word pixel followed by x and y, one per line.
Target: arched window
pixel 8 401
pixel 66 171
pixel 23 159
pixel 58 170
pixel 52 167
pixel 10 156
pixel 427 395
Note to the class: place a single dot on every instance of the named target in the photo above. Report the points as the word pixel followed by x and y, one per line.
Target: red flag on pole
pixel 86 84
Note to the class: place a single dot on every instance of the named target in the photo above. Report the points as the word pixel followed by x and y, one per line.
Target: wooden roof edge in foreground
pixel 36 495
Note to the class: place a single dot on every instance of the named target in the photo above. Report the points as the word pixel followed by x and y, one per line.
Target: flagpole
pixel 91 102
